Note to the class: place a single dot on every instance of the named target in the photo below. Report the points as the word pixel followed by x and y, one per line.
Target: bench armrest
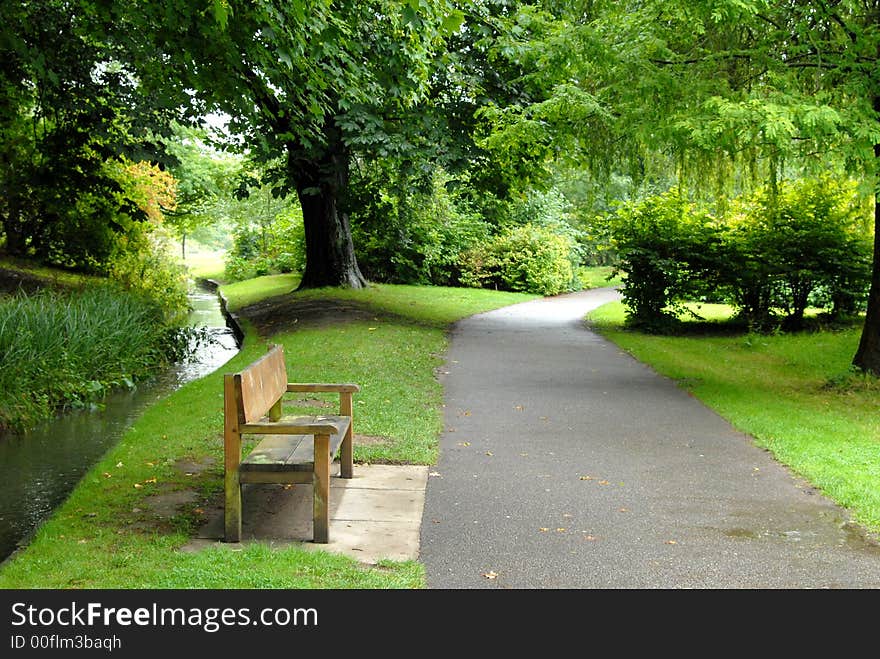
pixel 322 387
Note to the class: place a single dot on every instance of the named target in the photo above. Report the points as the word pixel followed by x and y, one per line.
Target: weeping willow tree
pixel 733 92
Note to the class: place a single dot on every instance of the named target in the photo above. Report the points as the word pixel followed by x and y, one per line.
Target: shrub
pixel 142 265
pixel 669 252
pixel 407 234
pixel 799 246
pixel 772 256
pixel 526 258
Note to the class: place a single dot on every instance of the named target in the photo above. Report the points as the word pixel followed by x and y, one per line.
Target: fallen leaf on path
pixel 488 452
pixel 591 538
pixel 604 483
pixel 561 529
pixel 586 478
pixel 464 443
pixel 623 510
pixel 543 529
pixel 671 542
pixel 490 574
pixel 518 408
pixel 433 473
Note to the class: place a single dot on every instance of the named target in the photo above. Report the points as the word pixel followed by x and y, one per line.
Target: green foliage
pixel 773 255
pixel 669 252
pixel 142 266
pixel 70 106
pixel 204 179
pixel 407 233
pixel 411 234
pixel 268 239
pixel 67 349
pixel 804 244
pixel 527 258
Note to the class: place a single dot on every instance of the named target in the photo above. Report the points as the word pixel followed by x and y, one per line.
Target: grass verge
pixel 112 533
pixel 795 394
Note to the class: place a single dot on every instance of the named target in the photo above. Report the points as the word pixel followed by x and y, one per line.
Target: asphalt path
pixel 565 463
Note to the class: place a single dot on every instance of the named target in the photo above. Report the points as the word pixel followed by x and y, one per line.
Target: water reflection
pixel 38 470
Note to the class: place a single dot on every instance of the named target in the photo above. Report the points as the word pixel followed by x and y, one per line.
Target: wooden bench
pixel 294 450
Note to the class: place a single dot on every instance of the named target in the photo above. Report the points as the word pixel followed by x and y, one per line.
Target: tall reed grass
pixel 66 349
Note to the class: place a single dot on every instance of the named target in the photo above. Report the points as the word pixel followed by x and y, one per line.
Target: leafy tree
pixel 205 179
pixel 306 84
pixel 411 231
pixel 69 113
pixel 748 90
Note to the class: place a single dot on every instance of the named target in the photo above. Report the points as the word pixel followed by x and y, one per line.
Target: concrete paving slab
pixel 374 516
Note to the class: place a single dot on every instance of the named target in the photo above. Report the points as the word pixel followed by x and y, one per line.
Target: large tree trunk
pixel 321 187
pixel 868 355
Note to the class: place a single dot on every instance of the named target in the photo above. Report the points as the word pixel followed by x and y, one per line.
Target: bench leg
pixel 346 453
pixel 231 461
pixel 321 480
pixel 232 509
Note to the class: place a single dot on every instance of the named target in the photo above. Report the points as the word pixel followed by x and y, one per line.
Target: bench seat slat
pixel 271 452
pixel 286 453
pixel 296 425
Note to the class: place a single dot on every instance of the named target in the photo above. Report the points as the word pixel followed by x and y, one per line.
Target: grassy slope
pixel 793 393
pixel 106 535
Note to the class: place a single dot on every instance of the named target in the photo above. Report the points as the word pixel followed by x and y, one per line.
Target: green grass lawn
pixel 795 394
pixel 598 277
pixel 51 276
pixel 242 293
pixel 203 262
pixel 106 534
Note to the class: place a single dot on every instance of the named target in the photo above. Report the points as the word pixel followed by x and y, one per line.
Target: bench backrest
pixel 261 385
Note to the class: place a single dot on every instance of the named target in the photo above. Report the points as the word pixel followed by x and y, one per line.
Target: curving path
pixel 567 464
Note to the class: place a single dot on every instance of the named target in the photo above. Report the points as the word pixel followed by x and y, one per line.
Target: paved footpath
pixel 567 464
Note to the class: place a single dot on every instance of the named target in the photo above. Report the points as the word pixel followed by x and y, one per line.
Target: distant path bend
pixel 565 463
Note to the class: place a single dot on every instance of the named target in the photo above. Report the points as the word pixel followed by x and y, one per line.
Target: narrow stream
pixel 38 470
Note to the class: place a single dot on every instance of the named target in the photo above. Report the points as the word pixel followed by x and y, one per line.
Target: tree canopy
pixel 719 96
